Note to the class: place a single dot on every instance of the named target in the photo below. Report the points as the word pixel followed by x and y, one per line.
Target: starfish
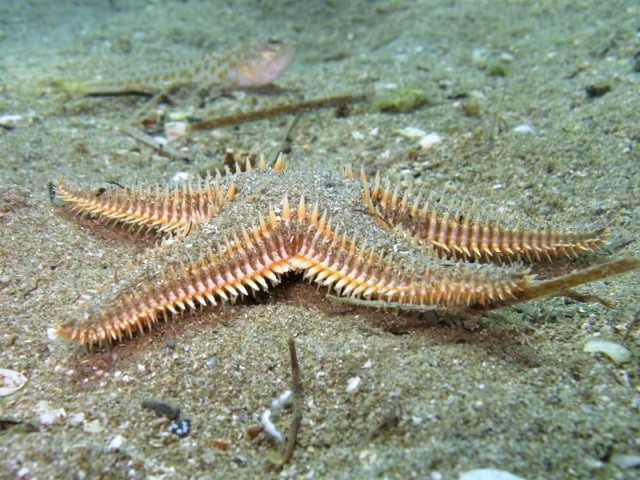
pixel 362 240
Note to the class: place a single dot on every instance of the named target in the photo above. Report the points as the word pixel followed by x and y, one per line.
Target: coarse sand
pixel 536 110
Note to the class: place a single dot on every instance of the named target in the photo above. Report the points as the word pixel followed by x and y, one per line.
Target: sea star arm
pixel 468 235
pixel 165 211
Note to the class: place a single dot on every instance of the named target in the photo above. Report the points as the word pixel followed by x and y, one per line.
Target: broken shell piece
pixel 12 381
pixel 175 130
pixel 430 140
pixel 616 352
pixel 15 120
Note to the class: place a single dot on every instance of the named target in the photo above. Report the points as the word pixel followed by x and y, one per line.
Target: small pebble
pixel 178 116
pixel 180 427
pixel 94 426
pixel 77 419
pixel 22 473
pixel 507 57
pixel 48 414
pixel 524 128
pixel 430 140
pixel 353 384
pixel 116 443
pixel 411 132
pixel 219 444
pixel 180 177
pixel 160 140
pixel 488 474
pixel 11 121
pixel 626 461
pixel 597 90
pixel 51 416
pixel 162 408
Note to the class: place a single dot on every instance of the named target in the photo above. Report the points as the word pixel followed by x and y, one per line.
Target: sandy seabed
pixel 556 140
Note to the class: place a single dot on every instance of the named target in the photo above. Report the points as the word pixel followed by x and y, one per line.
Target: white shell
pixel 618 353
pixel 12 381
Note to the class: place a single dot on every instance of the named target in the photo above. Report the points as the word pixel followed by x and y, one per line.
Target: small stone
pixel 48 414
pixel 488 474
pixel 116 443
pixel 597 90
pixel 11 121
pixel 411 132
pixel 178 116
pixel 160 140
pixel 22 473
pixel 94 426
pixel 77 419
pixel 52 333
pixel 181 177
pixel 524 128
pixel 180 427
pixel 162 408
pixel 353 384
pixel 49 417
pixel 430 140
pixel 626 461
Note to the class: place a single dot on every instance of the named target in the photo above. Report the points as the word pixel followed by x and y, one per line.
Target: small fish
pixel 252 65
